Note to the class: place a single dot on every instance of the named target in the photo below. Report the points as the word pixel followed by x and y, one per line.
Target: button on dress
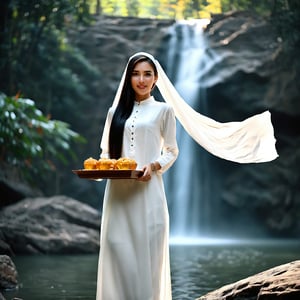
pixel 134 250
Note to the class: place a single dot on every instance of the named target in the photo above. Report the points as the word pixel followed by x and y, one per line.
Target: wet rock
pixel 52 225
pixel 281 282
pixel 8 274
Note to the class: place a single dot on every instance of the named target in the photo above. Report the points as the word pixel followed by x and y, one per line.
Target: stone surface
pixel 52 225
pixel 253 64
pixel 281 282
pixel 8 274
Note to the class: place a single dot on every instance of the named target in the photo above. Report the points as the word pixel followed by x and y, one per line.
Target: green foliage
pixel 166 9
pixel 185 9
pixel 286 18
pixel 261 7
pixel 36 57
pixel 38 61
pixel 29 140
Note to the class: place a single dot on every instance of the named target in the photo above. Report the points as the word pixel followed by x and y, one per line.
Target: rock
pixel 50 225
pixel 109 42
pixel 8 274
pixel 281 282
pixel 247 47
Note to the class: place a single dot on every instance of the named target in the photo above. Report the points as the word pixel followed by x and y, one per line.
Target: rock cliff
pixel 52 225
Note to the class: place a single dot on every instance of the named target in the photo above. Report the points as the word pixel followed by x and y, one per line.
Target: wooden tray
pixel 108 174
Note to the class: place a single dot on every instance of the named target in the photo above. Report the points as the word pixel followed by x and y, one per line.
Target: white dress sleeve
pixel 104 145
pixel 170 148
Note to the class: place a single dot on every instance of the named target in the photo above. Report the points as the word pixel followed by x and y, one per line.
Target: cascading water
pixel 188 182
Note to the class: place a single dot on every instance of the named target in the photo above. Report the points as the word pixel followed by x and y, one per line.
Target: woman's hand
pixel 147 172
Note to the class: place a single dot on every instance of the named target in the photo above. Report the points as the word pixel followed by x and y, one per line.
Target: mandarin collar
pixel 143 102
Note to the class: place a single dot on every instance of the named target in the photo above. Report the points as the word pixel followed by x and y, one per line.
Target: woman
pixel 134 257
pixel 134 254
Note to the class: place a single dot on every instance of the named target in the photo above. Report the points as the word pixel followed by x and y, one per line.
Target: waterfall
pixel 188 182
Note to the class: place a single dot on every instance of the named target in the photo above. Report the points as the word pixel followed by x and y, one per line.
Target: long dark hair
pixel 124 108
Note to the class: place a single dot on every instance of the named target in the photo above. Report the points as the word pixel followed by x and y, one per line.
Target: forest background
pixel 44 77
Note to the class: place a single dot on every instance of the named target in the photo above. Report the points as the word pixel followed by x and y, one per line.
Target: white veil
pixel 248 141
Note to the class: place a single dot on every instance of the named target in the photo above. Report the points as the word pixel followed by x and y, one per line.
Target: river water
pixel 196 269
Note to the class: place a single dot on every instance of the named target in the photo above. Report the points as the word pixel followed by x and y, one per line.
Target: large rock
pixel 282 282
pixel 49 225
pixel 8 274
pixel 248 59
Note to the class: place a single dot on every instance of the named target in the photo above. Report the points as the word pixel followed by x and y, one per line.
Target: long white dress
pixel 134 252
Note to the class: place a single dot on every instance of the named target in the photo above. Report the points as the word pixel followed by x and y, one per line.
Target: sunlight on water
pixel 183 240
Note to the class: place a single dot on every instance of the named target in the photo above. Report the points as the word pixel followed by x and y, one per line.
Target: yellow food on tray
pixel 122 163
pixel 125 163
pixel 106 164
pixel 90 163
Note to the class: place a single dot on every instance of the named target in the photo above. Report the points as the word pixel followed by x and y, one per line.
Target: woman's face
pixel 142 80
